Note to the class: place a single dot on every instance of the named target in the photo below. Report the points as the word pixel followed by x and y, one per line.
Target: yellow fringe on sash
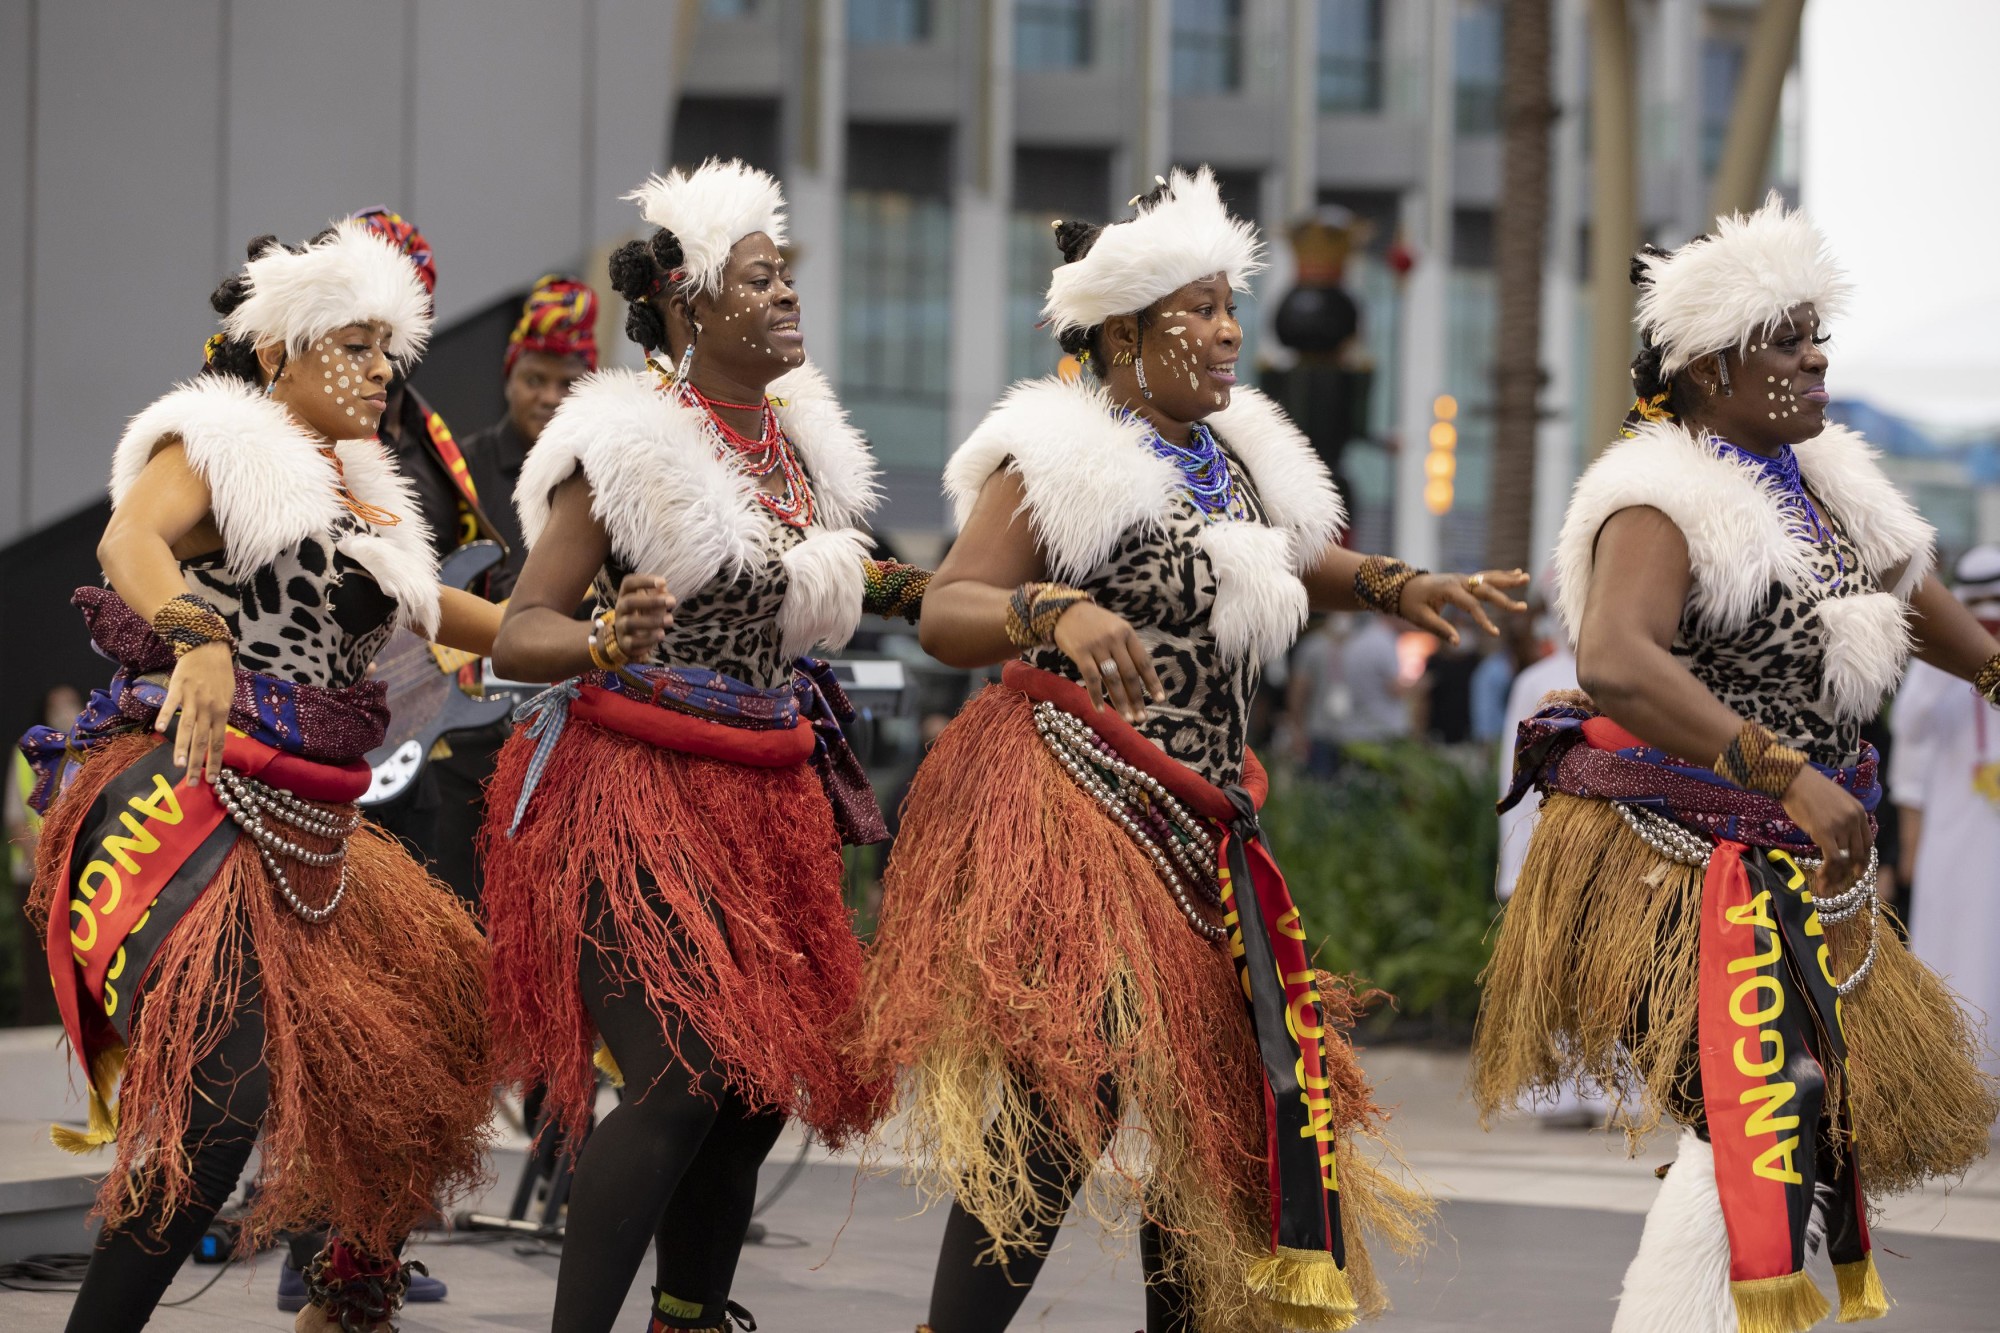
pixel 1789 1304
pixel 1861 1293
pixel 1305 1289
pixel 105 1071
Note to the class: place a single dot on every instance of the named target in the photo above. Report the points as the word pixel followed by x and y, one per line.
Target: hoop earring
pixel 1139 365
pixel 1722 364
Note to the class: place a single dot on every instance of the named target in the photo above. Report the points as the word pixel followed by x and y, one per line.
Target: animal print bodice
pixel 1160 580
pixel 313 615
pixel 1773 670
pixel 731 625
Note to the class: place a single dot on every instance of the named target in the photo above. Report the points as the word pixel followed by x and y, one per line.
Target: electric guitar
pixel 426 699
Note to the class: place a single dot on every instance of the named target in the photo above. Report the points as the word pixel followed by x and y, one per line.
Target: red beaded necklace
pixel 770 452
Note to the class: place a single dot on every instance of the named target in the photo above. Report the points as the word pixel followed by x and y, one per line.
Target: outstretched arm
pixel 1330 587
pixel 1946 635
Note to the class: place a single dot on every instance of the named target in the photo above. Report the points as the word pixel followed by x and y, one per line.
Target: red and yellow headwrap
pixel 392 227
pixel 559 318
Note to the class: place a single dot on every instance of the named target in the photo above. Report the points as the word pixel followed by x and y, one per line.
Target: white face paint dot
pixel 344 381
pixel 350 411
pixel 324 357
pixel 326 388
pixel 1774 416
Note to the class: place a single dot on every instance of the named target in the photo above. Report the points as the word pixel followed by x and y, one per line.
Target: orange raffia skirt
pixel 1028 949
pixel 722 909
pixel 380 1092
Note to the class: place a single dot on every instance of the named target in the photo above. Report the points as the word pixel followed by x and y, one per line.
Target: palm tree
pixel 1520 233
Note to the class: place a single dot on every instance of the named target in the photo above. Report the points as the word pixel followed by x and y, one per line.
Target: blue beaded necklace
pixel 1204 468
pixel 1803 519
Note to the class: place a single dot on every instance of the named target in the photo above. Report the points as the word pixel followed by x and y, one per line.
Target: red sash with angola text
pixel 1305 1275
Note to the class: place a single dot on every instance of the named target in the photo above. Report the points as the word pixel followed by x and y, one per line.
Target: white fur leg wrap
pixel 1679 1280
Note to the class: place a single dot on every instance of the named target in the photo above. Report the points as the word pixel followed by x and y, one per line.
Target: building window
pixel 1049 184
pixel 890 22
pixel 1350 55
pixel 1052 34
pixel 895 316
pixel 1721 68
pixel 1476 44
pixel 729 9
pixel 1208 47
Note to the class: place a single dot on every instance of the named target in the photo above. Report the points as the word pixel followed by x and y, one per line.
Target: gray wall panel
pixel 16 65
pixel 315 116
pixel 499 145
pixel 126 211
pixel 634 54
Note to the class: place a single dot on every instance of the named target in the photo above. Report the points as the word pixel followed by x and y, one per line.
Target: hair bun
pixel 1641 274
pixel 635 274
pixel 1075 238
pixel 666 249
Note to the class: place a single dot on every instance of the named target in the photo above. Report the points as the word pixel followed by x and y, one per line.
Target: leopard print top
pixel 313 615
pixel 732 626
pixel 1773 670
pixel 1159 579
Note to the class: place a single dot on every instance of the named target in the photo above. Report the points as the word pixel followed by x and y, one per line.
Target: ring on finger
pixel 1108 667
pixel 1476 582
pixel 1841 853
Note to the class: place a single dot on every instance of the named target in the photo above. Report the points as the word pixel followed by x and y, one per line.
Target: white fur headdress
pixel 709 210
pixel 1720 291
pixel 1188 234
pixel 351 276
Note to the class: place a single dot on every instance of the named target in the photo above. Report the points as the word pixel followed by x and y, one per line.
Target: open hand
pixel 1114 665
pixel 201 690
pixel 1425 597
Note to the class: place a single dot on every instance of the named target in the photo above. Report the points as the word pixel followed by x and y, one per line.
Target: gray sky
pixel 1901 103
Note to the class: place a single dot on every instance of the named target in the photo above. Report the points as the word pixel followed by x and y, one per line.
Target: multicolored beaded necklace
pixel 1803 519
pixel 1204 468
pixel 770 452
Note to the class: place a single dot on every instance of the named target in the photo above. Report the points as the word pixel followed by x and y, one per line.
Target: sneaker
pixel 292 1288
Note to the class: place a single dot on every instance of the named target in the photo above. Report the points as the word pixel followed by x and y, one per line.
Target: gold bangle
pixel 605 651
pixel 1987 680
pixel 1379 583
pixel 1758 761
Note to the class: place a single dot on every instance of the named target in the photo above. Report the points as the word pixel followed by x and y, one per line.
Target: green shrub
pixel 1391 865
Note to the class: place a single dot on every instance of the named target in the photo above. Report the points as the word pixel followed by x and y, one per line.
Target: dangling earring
pixel 1722 364
pixel 687 358
pixel 1122 359
pixel 272 384
pixel 1139 365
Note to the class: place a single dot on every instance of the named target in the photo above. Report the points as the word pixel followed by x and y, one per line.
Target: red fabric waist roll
pixel 670 729
pixel 333 784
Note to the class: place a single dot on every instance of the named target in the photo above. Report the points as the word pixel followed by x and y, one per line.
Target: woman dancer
pixel 1071 880
pixel 663 845
pixel 1695 928
pixel 236 952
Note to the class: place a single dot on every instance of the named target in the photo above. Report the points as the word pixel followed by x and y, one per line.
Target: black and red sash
pixel 1305 1276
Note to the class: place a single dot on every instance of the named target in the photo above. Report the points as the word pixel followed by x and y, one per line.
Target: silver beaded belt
pixel 1684 846
pixel 1171 835
pixel 250 802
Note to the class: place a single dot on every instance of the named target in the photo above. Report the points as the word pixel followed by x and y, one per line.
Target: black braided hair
pixel 1649 379
pixel 641 272
pixel 1075 239
pixel 236 356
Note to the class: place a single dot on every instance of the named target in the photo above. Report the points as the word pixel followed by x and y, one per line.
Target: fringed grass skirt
pixel 1593 977
pixel 375 1039
pixel 723 909
pixel 1028 950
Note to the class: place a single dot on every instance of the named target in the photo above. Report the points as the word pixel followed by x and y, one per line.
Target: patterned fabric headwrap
pixel 558 318
pixel 392 227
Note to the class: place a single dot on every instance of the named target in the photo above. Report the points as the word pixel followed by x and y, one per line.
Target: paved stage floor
pixel 1536 1228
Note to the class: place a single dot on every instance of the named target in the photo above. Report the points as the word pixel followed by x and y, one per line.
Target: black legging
pixel 131 1268
pixel 972 1294
pixel 675 1164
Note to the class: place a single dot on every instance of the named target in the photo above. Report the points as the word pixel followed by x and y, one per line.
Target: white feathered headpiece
pixel 709 210
pixel 1188 234
pixel 1722 290
pixel 350 276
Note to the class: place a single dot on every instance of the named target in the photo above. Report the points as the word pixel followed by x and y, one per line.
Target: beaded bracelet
pixel 605 652
pixel 1758 761
pixel 187 622
pixel 1034 609
pixel 1379 583
pixel 1987 680
pixel 892 588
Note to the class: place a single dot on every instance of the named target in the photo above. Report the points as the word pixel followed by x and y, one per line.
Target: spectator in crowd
pixel 1520 644
pixel 1945 780
pixel 1346 686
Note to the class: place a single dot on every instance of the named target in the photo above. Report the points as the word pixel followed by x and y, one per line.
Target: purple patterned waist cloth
pixel 1554 752
pixel 331 726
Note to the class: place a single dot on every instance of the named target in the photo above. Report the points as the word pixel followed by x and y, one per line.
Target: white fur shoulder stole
pixel 673 508
pixel 1738 543
pixel 1089 477
pixel 270 487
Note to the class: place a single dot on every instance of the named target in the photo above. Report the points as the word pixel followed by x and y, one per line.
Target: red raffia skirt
pixel 375 1040
pixel 1027 950
pixel 723 907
